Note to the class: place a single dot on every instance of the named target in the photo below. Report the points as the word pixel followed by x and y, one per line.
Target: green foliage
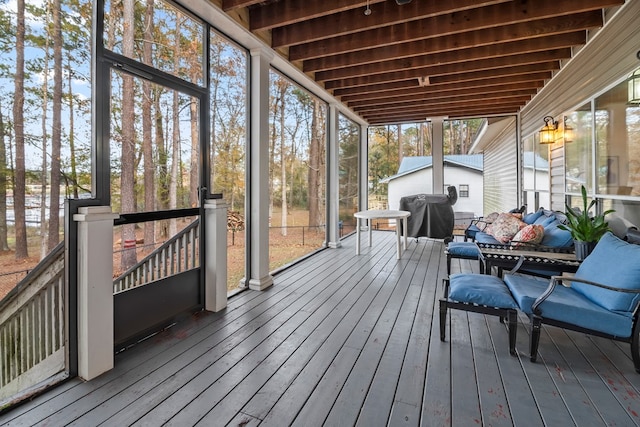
pixel 582 226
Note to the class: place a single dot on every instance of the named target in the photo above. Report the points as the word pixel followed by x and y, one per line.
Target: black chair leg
pixel 535 337
pixel 512 317
pixel 635 346
pixel 443 319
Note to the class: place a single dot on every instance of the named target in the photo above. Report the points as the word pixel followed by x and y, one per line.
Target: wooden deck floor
pixel 345 340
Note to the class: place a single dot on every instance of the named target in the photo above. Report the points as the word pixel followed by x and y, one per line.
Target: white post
pixel 363 193
pixel 95 290
pixel 437 155
pixel 333 180
pixel 216 249
pixel 259 278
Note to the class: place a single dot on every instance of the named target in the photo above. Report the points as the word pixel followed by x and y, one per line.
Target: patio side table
pixel 382 214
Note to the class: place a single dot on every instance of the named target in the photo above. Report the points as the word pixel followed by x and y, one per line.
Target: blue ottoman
pixel 463 250
pixel 480 293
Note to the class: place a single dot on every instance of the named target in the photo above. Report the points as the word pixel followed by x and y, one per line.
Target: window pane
pixel 349 142
pixel 157 34
pixel 618 143
pixel 228 106
pixel 297 153
pixel 578 154
pixel 154 146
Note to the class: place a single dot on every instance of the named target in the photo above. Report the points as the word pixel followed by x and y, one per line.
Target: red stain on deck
pixel 632 412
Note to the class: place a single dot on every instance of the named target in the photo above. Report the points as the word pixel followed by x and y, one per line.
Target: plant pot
pixel 583 249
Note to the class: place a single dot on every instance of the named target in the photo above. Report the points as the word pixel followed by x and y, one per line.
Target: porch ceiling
pixel 400 63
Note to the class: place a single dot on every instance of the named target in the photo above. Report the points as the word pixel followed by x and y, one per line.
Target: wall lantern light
pixel 548 132
pixel 567 131
pixel 634 87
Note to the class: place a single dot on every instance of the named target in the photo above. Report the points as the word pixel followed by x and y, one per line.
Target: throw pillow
pixel 531 234
pixel 505 227
pixel 616 263
pixel 491 217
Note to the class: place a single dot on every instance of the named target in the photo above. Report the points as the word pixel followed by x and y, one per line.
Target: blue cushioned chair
pixel 601 299
pixel 479 293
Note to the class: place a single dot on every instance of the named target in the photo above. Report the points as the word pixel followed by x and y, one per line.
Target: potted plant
pixel 585 229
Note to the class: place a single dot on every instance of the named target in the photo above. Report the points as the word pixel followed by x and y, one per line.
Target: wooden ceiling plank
pixel 289 12
pixel 386 87
pixel 528 87
pixel 455 56
pixel 483 37
pixel 478 93
pixel 228 5
pixel 407 72
pixel 424 103
pixel 451 114
pixel 351 21
pixel 328 32
pixel 447 78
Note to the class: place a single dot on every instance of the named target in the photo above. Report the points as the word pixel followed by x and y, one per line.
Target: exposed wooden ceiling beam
pixel 383 15
pixel 402 73
pixel 468 39
pixel 463 55
pixel 396 103
pixel 422 115
pixel 408 84
pixel 321 36
pixel 446 78
pixel 531 88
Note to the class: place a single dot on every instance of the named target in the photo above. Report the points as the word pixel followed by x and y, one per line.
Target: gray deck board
pixel 346 340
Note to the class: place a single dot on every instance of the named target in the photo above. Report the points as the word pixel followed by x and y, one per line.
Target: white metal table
pixel 382 214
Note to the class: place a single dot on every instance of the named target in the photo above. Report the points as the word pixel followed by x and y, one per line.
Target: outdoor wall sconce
pixel 634 87
pixel 567 131
pixel 548 132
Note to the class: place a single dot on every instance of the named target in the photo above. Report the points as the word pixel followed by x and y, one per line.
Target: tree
pixel 19 183
pixel 56 135
pixel 127 160
pixel 147 127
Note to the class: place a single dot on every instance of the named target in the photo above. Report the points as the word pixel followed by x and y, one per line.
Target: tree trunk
pixel 43 126
pixel 19 185
pixel 147 130
pixel 283 164
pixel 4 242
pixel 315 169
pixel 127 163
pixel 72 133
pixel 56 135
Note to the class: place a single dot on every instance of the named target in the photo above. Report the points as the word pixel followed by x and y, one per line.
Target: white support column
pixel 363 196
pixel 333 178
pixel 95 290
pixel 215 287
pixel 438 155
pixel 259 174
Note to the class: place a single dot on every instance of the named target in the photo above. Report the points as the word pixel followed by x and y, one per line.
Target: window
pixel 463 190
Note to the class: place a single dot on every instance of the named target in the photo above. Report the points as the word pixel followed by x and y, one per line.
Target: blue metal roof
pixel 416 163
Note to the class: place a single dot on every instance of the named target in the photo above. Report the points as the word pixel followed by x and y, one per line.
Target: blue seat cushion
pixel 463 249
pixel 567 305
pixel 545 220
pixel 482 237
pixel 616 263
pixel 480 289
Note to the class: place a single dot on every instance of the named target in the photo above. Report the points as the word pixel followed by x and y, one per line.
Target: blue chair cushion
pixel 482 237
pixel 567 305
pixel 480 289
pixel 616 263
pixel 554 237
pixel 532 217
pixel 463 249
pixel 545 220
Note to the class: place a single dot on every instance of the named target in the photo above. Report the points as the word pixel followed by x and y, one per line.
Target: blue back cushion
pixel 555 237
pixel 532 217
pixel 616 263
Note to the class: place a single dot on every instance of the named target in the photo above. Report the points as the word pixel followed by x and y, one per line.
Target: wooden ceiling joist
pixel 401 63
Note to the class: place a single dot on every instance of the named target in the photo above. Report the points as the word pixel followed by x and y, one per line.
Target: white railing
pixel 178 254
pixel 32 327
